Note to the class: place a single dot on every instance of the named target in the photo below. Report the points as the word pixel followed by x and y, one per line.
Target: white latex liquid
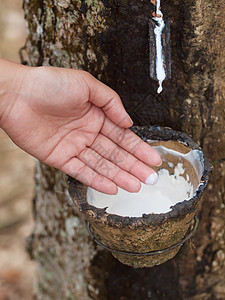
pixel 160 71
pixel 195 157
pixel 158 198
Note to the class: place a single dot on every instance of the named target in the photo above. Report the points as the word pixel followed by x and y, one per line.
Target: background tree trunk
pixel 110 39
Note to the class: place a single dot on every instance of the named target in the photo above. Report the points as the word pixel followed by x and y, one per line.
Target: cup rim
pixel 178 211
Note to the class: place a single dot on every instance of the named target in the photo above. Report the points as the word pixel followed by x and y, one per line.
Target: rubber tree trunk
pixel 110 40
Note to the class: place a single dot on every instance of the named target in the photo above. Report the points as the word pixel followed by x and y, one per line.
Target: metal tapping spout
pixel 159 46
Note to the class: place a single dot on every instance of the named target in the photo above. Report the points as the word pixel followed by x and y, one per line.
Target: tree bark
pixel 110 40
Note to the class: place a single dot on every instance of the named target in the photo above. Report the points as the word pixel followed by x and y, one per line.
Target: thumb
pixel 103 96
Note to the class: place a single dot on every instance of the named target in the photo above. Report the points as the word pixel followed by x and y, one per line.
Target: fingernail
pixel 159 164
pixel 129 119
pixel 151 179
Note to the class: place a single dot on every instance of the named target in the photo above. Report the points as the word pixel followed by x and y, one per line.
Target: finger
pixel 106 168
pixel 123 159
pixel 103 96
pixel 78 170
pixel 130 142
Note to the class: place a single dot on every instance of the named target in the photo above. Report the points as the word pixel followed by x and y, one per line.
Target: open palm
pixel 73 122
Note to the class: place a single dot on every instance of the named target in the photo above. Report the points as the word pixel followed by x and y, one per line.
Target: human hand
pixel 69 120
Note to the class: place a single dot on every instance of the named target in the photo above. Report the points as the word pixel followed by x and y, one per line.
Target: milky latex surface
pixel 158 198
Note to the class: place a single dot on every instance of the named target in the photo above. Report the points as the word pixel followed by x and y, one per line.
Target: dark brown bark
pixel 110 39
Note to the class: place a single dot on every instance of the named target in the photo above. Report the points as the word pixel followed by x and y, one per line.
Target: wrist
pixel 11 77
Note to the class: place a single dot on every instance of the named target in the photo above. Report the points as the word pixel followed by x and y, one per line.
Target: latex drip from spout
pixel 160 71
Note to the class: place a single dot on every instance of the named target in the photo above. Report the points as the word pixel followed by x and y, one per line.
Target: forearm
pixel 11 78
